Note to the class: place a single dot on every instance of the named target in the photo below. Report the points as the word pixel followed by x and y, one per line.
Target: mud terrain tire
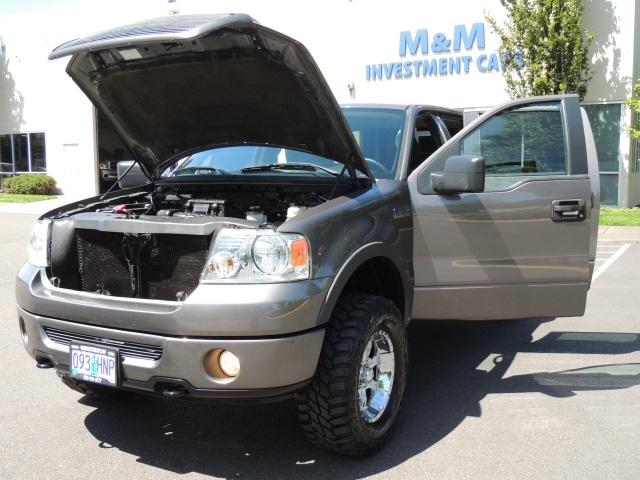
pixel 353 400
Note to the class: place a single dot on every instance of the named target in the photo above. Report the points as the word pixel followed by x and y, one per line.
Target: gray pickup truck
pixel 281 243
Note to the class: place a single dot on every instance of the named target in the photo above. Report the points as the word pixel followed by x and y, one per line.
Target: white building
pixel 406 51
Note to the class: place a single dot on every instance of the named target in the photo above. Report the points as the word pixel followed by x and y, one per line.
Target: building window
pixel 607 124
pixel 22 153
pixel 6 154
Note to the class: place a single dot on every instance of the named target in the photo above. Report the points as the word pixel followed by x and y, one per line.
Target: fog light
pixel 221 364
pixel 229 363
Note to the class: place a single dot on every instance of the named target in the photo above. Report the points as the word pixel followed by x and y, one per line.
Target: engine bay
pixel 266 204
pixel 153 243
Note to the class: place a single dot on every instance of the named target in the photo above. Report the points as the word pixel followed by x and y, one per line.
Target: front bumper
pixel 234 310
pixel 272 329
pixel 270 367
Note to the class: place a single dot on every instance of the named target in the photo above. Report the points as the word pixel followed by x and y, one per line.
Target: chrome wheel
pixel 375 379
pixel 353 399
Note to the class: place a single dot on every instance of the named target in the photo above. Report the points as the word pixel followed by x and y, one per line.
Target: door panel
pixel 499 253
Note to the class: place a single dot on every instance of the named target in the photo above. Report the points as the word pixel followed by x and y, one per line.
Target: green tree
pixel 634 104
pixel 544 48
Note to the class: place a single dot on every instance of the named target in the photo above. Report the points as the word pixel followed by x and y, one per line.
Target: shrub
pixel 31 184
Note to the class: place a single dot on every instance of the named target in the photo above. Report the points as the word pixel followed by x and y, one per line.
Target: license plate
pixel 93 363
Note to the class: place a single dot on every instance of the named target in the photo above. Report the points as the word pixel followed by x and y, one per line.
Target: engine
pixel 271 208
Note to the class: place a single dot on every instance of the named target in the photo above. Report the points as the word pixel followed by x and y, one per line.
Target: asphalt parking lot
pixel 532 399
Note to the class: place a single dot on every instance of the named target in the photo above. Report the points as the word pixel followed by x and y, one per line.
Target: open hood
pixel 176 83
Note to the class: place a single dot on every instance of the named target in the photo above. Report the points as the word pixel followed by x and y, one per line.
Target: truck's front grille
pixel 127 349
pixel 150 266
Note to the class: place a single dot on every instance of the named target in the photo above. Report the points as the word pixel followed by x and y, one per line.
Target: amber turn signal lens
pixel 299 253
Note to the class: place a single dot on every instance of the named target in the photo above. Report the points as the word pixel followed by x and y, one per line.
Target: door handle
pixel 568 210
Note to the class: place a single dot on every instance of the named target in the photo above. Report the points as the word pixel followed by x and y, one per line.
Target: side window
pixel 519 143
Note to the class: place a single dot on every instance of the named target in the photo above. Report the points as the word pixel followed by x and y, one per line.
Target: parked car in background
pixel 108 171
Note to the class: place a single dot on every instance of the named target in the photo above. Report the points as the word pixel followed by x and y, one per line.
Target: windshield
pixel 378 132
pixel 251 159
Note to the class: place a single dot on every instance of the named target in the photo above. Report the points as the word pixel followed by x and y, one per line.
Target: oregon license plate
pixel 94 363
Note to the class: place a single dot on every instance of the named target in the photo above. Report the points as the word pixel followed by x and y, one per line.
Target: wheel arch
pixel 371 270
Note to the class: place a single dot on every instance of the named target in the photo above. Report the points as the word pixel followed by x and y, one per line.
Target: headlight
pixel 38 248
pixel 256 255
pixel 270 254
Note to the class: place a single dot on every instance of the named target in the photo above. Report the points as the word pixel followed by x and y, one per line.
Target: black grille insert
pixel 153 266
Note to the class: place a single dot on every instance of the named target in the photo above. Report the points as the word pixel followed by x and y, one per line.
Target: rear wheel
pixel 354 397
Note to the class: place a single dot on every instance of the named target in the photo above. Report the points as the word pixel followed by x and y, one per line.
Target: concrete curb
pixel 619 234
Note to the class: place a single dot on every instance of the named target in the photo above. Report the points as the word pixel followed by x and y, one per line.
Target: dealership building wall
pixel 407 51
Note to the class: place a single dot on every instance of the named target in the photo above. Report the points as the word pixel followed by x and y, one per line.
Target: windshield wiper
pixel 302 167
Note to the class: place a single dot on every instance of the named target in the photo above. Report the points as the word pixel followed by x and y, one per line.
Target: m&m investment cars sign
pixel 438 55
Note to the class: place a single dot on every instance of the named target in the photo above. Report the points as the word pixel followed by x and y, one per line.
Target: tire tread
pixel 325 409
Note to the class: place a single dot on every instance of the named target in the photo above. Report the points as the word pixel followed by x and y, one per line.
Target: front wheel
pixel 354 397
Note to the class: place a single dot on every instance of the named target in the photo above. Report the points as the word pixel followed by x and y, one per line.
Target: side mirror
pixel 133 178
pixel 461 174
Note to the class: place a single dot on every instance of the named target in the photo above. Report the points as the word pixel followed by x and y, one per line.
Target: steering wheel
pixel 385 171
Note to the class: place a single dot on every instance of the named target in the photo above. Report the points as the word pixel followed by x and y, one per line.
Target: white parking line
pixel 608 261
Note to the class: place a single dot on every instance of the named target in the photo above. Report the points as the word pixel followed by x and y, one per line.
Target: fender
pixel 357 259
